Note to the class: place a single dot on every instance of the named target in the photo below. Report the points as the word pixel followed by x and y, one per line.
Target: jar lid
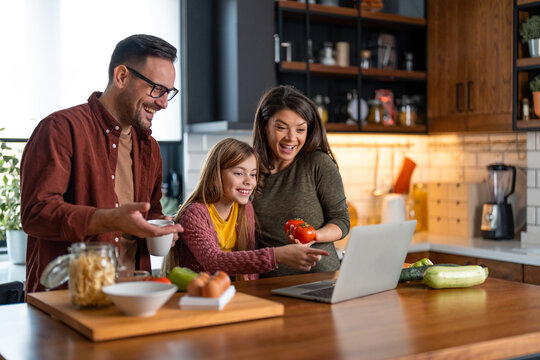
pixel 56 272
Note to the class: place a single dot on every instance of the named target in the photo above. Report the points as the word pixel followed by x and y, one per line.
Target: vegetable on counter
pixel 181 276
pixel 421 262
pixel 442 277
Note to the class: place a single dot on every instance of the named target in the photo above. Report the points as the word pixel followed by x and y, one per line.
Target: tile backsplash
pixel 373 161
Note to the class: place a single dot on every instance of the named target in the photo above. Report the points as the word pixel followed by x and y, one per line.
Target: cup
pixel 160 245
pixel 342 53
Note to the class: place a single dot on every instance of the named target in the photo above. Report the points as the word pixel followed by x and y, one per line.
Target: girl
pixel 219 221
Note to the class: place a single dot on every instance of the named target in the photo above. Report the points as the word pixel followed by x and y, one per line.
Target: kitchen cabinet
pixel 531 274
pixel 525 68
pixel 304 29
pixel 229 62
pixel 469 70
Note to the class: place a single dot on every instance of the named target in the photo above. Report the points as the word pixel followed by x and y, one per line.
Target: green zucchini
pixel 416 272
pixel 442 277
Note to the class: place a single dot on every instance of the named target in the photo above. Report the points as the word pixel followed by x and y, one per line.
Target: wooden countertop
pixel 498 319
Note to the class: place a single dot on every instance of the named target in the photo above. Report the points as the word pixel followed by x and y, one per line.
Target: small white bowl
pixel 140 298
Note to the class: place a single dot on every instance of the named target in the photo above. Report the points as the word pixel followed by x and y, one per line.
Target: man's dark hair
pixel 134 50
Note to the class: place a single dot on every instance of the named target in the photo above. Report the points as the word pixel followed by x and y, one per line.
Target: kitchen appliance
pixel 393 208
pixel 497 217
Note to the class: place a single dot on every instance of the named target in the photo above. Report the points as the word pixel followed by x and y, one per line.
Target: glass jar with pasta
pixel 89 267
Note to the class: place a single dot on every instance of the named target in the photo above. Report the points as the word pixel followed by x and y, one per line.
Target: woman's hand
pixel 299 256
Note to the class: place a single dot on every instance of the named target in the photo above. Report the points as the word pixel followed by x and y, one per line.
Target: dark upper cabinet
pixel 230 61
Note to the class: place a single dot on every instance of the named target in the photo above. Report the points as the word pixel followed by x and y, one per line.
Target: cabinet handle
pixel 469 86
pixel 458 92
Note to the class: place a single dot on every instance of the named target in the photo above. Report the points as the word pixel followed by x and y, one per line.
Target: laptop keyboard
pixel 323 293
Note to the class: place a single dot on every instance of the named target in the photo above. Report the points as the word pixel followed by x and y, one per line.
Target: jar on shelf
pixel 365 59
pixel 89 267
pixel 407 115
pixel 321 102
pixel 376 112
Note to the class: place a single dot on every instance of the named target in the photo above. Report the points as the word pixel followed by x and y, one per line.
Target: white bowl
pixel 140 298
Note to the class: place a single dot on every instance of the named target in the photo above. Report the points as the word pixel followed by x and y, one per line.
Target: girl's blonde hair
pixel 224 155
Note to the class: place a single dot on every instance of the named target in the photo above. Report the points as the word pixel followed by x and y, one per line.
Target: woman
pixel 299 176
pixel 219 222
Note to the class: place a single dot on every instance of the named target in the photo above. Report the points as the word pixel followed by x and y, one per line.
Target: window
pixel 57 52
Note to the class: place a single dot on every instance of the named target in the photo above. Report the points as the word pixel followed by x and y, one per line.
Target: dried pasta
pixel 89 272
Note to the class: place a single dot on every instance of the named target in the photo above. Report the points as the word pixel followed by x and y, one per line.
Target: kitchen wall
pixel 532 236
pixel 439 158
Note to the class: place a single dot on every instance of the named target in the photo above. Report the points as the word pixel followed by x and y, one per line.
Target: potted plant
pixel 10 204
pixel 534 86
pixel 530 34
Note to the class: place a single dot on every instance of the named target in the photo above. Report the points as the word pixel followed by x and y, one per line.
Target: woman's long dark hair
pixel 286 97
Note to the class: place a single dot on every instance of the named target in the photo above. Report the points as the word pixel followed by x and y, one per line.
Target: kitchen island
pixel 498 319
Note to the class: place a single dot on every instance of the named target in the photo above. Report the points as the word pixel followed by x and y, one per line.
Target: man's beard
pixel 126 112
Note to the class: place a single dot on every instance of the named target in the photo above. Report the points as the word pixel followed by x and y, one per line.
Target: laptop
pixel 372 263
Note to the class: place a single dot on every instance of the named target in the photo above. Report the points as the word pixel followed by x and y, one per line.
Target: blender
pixel 497 217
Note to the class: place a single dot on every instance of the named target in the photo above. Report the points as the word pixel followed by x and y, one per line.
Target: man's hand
pixel 128 219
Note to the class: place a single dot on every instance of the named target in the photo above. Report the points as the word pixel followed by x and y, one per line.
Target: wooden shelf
pixel 527 2
pixel 392 18
pixel 333 70
pixel 351 12
pixel 341 127
pixel 394 74
pixel 527 62
pixel 294 5
pixel 394 128
pixel 530 124
pixel 293 65
pixel 333 10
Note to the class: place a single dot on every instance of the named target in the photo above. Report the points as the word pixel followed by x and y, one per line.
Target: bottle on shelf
pixel 526 113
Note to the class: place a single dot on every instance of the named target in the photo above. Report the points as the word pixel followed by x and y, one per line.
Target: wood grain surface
pixel 498 319
pixel 111 323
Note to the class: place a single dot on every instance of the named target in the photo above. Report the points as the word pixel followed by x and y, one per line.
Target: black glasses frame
pixel 161 89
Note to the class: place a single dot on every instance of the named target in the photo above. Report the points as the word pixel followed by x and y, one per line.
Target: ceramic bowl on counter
pixel 140 298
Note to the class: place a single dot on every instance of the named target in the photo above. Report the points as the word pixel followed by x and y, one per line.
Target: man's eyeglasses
pixel 157 89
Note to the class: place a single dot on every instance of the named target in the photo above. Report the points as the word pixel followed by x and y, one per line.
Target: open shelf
pixel 392 18
pixel 321 69
pixel 527 62
pixel 341 127
pixel 389 74
pixel 529 124
pixel 521 3
pixel 394 128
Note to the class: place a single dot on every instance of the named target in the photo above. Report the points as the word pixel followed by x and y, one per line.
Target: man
pixel 92 172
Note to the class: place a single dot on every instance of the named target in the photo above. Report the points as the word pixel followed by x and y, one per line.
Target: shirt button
pixel 107 131
pixel 114 146
pixel 116 239
pixel 116 204
pixel 116 127
pixel 113 177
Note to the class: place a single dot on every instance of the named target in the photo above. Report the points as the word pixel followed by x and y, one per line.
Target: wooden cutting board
pixel 110 323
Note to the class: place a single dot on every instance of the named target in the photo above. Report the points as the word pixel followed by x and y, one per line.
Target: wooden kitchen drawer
pixel 531 274
pixel 503 270
pixel 442 258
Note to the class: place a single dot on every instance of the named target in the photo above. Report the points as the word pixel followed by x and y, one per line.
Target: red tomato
pixel 304 233
pixel 162 279
pixel 291 224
